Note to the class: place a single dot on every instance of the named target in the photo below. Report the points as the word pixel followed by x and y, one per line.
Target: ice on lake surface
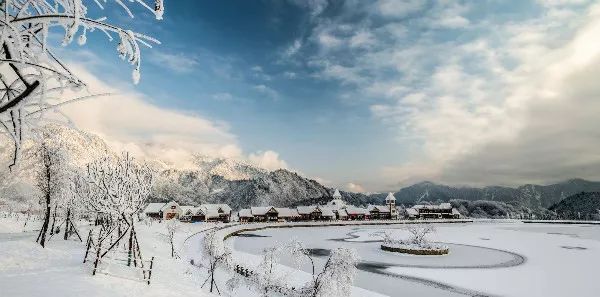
pixel 502 259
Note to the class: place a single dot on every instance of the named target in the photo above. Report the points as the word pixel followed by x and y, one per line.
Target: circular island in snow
pixel 417 244
pixel 430 250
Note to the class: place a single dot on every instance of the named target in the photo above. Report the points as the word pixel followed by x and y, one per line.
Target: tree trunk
pixel 172 248
pixel 53 220
pixel 130 249
pixel 67 222
pixel 212 278
pixel 42 235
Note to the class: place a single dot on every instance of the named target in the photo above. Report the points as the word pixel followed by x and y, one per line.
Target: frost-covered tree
pixel 215 254
pixel 34 79
pixel 267 278
pixel 335 278
pixel 116 186
pixel 50 179
pixel 173 227
pixel 419 234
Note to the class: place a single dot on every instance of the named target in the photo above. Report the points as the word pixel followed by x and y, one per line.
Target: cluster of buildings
pixel 441 211
pixel 202 213
pixel 336 209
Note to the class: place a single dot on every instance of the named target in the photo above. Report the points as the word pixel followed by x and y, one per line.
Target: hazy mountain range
pixel 529 195
pixel 242 184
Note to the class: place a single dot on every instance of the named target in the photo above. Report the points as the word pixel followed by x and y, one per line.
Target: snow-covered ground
pixel 28 270
pixel 486 258
pixel 497 259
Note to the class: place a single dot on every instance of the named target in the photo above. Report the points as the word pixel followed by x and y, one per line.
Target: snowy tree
pixel 215 253
pixel 116 186
pixel 268 279
pixel 34 79
pixel 72 207
pixel 172 227
pixel 50 180
pixel 419 234
pixel 335 278
pixel 417 240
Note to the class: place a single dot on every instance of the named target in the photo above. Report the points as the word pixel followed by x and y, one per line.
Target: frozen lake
pixel 499 259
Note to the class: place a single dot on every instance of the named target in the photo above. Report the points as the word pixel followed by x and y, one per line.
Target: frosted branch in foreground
pixel 33 80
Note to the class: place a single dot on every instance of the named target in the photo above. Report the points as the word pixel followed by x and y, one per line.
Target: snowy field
pixel 27 270
pixel 486 259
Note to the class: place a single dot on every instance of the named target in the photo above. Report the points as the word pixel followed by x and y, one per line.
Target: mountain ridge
pixel 241 184
pixel 528 195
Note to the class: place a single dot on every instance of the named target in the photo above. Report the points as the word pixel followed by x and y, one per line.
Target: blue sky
pixel 364 95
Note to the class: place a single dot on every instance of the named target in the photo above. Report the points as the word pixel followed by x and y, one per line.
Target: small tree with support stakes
pixel 116 188
pixel 173 227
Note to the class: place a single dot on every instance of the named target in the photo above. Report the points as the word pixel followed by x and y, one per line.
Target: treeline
pixel 581 206
pixel 498 210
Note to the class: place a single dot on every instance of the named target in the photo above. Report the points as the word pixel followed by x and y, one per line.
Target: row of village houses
pixel 336 209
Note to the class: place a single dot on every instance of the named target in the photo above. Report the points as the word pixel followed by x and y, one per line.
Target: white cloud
pixel 267 91
pixel 402 8
pixel 338 72
pixel 510 101
pixel 293 48
pixel 322 181
pixel 127 121
pixel 561 2
pixel 328 40
pixel 362 39
pixel 510 125
pixel 290 74
pixel 268 160
pixel 179 62
pixel 258 72
pixel 449 15
pixel 455 21
pixel 352 187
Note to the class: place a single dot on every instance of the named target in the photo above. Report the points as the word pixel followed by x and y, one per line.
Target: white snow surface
pixel 559 260
pixel 27 270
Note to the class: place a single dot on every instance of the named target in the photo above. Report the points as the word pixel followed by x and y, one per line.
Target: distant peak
pixel 426 183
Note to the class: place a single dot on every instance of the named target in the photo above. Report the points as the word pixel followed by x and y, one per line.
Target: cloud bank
pixel 475 98
pixel 128 121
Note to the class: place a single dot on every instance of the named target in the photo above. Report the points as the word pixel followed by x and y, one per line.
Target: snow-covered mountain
pixel 260 187
pixel 229 169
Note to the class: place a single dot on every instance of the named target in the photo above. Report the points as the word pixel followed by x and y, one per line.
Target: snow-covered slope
pixel 229 169
pixel 280 187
